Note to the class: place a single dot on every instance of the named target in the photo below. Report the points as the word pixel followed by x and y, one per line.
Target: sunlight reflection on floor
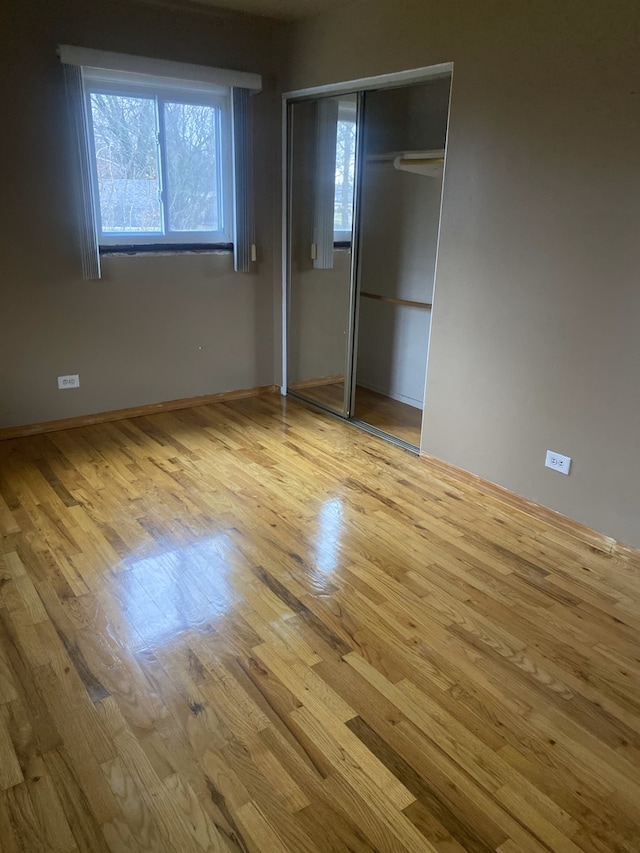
pixel 330 530
pixel 179 589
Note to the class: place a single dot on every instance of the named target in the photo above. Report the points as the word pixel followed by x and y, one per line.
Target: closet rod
pixel 433 154
pixel 419 161
pixel 395 301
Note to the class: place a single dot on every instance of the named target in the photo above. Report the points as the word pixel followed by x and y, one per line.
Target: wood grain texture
pixel 391 416
pixel 384 413
pixel 132 412
pixel 249 627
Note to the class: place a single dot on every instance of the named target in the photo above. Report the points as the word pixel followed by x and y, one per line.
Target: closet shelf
pixel 380 298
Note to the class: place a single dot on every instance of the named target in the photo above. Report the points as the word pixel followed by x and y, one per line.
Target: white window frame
pixel 219 97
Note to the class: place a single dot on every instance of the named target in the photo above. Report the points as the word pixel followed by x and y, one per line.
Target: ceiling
pixel 286 10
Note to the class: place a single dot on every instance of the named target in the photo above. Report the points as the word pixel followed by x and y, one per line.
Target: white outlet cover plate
pixel 70 381
pixel 558 462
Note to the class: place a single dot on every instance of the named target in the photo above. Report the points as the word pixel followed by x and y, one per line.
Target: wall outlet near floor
pixel 72 381
pixel 558 462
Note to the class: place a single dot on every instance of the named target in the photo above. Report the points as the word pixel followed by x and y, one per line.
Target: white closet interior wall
pixel 399 231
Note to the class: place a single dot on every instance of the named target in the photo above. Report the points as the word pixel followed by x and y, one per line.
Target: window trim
pixel 160 95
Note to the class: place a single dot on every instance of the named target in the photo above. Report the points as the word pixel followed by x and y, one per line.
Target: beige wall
pixel 535 340
pixel 536 326
pixel 154 328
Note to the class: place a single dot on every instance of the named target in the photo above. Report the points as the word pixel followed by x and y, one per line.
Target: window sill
pixel 168 249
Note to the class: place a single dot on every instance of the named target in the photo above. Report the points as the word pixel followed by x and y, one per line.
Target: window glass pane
pixel 192 134
pixel 345 172
pixel 124 131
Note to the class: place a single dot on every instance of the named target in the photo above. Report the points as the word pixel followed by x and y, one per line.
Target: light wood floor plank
pixel 247 627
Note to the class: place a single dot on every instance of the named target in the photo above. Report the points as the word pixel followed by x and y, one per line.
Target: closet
pixel 364 186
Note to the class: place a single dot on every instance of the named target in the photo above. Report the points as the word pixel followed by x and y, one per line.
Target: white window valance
pixel 158 68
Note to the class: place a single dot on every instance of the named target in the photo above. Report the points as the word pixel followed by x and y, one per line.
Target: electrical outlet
pixel 65 382
pixel 558 462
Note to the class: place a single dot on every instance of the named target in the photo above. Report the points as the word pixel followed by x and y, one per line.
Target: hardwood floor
pixel 329 394
pixel 249 627
pixel 389 415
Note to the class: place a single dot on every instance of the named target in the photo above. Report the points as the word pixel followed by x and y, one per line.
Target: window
pixel 161 163
pixel 163 154
pixel 345 173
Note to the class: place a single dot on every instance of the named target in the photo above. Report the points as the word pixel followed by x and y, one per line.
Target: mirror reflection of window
pixel 334 179
pixel 345 171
